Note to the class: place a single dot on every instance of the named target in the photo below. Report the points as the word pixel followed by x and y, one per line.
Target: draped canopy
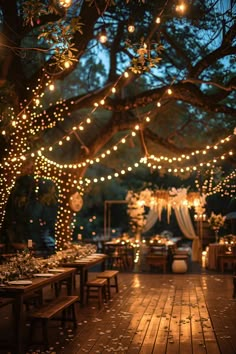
pixel 178 200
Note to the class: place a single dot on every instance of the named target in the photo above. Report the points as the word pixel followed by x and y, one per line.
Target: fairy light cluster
pixel 227 187
pixel 179 8
pixel 33 118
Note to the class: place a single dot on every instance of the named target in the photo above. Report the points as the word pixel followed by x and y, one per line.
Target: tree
pixel 165 92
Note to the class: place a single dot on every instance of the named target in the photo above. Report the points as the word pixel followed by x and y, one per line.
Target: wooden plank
pixel 152 331
pixel 210 341
pixel 198 344
pixel 164 327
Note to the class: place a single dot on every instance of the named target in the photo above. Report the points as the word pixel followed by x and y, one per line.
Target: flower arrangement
pixel 136 211
pixel 24 265
pixel 216 221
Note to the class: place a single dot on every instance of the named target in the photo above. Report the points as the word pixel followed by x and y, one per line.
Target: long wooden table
pixel 82 266
pixel 18 293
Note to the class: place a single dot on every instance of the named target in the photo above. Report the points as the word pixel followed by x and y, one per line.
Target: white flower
pixel 216 221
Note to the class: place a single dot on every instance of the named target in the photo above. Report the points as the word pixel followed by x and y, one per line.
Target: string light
pixel 45 168
pixel 65 3
pixel 103 36
pixel 131 26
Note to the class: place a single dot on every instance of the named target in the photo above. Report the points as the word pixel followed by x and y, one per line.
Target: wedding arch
pixel 179 200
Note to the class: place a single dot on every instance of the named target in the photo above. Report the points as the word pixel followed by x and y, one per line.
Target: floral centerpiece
pixel 22 266
pixel 216 221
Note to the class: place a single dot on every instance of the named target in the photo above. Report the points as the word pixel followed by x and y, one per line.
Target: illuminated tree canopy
pixel 156 91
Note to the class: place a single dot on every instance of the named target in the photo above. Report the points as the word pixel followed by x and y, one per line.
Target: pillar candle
pixel 30 243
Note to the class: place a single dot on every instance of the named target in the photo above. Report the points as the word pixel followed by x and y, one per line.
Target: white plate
pixel 20 282
pixel 98 254
pixel 56 270
pixel 44 275
pixel 84 260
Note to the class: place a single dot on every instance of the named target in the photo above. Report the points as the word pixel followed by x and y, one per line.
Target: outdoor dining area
pixel 26 279
pixel 157 254
pixel 84 280
pixel 46 304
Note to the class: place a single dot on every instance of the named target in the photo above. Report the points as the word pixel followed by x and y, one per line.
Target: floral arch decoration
pixel 177 199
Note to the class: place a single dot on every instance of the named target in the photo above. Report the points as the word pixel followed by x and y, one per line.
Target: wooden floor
pixel 152 313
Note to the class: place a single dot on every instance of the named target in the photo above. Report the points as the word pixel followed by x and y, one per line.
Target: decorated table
pixel 23 274
pixel 18 289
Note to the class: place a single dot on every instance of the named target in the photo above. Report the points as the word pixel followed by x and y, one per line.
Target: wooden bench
pixel 96 288
pixel 109 275
pixel 49 311
pixel 4 301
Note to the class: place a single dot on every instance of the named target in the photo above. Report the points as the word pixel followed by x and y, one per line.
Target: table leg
pixel 234 285
pixel 71 284
pixel 18 311
pixel 83 276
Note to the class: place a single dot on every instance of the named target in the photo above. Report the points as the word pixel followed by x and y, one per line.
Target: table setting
pixel 23 266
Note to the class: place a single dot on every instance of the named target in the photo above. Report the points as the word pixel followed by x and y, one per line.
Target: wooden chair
pixel 157 258
pixel 116 257
pixel 153 260
pixel 226 259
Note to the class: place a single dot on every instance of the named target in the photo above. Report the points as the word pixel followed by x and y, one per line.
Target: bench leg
pixel 234 284
pixel 108 288
pixel 100 290
pixel 32 330
pixel 116 283
pixel 74 316
pixel 45 332
pixel 63 320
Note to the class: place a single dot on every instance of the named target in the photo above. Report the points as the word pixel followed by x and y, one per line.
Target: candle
pixel 30 243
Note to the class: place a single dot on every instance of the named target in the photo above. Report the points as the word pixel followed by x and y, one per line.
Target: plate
pixel 44 275
pixel 20 282
pixel 98 254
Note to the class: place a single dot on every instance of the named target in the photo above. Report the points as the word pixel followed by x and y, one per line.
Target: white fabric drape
pixel 186 226
pixel 150 220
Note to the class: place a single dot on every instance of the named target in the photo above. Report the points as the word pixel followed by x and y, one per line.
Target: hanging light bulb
pixel 131 26
pixel 65 3
pixel 181 8
pixel 103 36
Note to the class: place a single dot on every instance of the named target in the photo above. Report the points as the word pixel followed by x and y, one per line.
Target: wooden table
pixel 214 249
pixel 218 253
pixel 18 292
pixel 82 266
